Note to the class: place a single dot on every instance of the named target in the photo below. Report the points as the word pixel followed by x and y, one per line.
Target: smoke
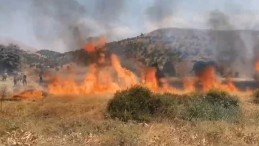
pixel 58 19
pixel 219 21
pixel 232 49
pixel 160 11
pixel 109 11
pixel 63 23
pixel 70 22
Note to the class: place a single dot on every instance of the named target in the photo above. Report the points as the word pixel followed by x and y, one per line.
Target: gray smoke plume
pixel 219 21
pixel 69 21
pixel 64 22
pixel 160 10
pixel 109 10
pixel 58 19
pixel 230 49
pixel 107 13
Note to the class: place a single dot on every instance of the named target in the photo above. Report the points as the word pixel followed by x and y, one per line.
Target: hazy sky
pixel 51 24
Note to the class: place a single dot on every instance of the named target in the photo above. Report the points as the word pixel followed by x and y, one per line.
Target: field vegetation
pixel 135 116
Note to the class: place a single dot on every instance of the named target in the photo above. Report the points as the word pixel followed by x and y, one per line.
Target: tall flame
pixel 209 81
pixel 108 76
pixel 93 45
pixel 126 77
pixel 257 66
pixel 150 79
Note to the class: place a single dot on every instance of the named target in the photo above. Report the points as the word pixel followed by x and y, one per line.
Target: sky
pixel 62 25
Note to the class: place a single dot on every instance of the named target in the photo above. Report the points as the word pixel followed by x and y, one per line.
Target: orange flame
pixel 105 78
pixel 98 80
pixel 109 79
pixel 150 79
pixel 160 85
pixel 209 81
pixel 29 95
pixel 189 84
pixel 257 66
pixel 126 77
pixel 93 45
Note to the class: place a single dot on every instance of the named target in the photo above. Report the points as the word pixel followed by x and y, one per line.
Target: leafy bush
pixel 256 96
pixel 213 106
pixel 136 103
pixel 169 105
pixel 140 104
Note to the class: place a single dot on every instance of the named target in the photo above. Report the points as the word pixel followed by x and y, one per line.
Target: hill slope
pixel 165 47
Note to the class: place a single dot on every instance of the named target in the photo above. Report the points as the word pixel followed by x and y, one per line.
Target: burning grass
pixel 109 78
pixel 31 95
pixel 106 75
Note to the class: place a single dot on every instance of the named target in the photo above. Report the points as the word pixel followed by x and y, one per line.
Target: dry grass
pixel 19 87
pixel 83 121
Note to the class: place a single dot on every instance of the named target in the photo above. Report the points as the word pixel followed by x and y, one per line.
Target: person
pixel 19 77
pixel 40 76
pixel 15 80
pixel 4 77
pixel 24 79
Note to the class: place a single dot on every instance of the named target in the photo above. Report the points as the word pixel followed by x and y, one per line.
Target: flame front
pixel 109 79
pixel 97 81
pixel 257 66
pixel 209 81
pixel 29 95
pixel 150 79
pixel 106 76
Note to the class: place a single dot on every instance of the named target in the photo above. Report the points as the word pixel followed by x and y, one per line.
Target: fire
pixel 126 77
pixel 150 79
pixel 93 45
pixel 29 95
pixel 189 84
pixel 106 75
pixel 111 78
pixel 210 81
pixel 98 80
pixel 161 85
pixel 257 66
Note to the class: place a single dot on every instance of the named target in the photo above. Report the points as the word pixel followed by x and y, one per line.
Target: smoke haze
pixel 233 49
pixel 63 25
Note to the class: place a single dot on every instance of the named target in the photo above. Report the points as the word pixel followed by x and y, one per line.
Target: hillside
pixel 49 54
pixel 232 50
pixel 166 48
pixel 12 58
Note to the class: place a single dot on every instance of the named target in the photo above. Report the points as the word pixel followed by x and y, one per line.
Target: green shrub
pixel 137 103
pixel 213 106
pixel 256 96
pixel 221 98
pixel 140 104
pixel 169 105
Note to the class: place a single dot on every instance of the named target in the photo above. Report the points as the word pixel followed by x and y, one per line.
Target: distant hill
pixel 162 47
pixel 13 58
pixel 49 54
pixel 23 46
pixel 233 50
